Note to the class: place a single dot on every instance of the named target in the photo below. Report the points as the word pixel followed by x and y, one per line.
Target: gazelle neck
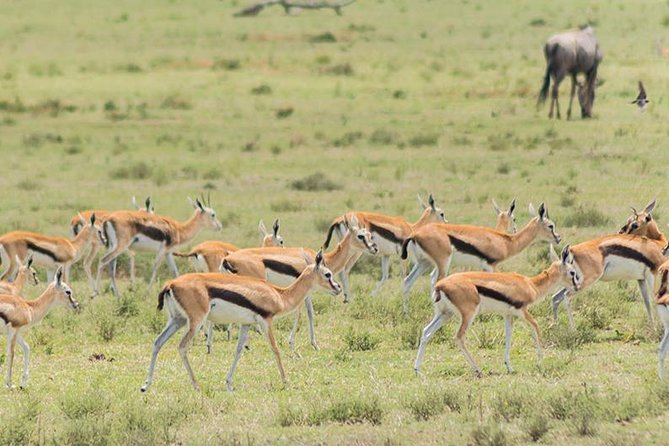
pixel 21 278
pixel 82 240
pixel 189 229
pixel 293 295
pixel 422 221
pixel 654 232
pixel 40 307
pixel 545 280
pixel 337 258
pixel 523 238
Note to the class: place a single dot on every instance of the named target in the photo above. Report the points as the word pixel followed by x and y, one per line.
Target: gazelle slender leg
pixel 433 276
pixel 184 345
pixel 159 258
pixel 662 354
pixel 243 337
pixel 385 271
pixel 570 314
pixel 555 302
pixel 173 325
pixel 418 269
pixel 210 335
pixel 88 263
pixel 429 331
pixel 172 264
pixel 26 359
pixel 132 267
pixel 508 329
pixel 535 332
pixel 112 276
pixel 296 322
pixel 308 303
pixel 275 349
pixel 460 341
pixel 106 259
pixel 644 286
pixel 343 278
pixel 11 345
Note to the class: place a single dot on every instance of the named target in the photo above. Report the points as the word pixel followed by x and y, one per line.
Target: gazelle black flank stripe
pixel 470 249
pixel 237 299
pixel 281 268
pixel 494 294
pixel 627 252
pixel 34 247
pixel 153 232
pixel 385 233
pixel 228 267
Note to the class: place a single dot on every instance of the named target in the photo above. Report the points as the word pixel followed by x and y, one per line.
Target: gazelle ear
pixel 650 206
pixel 93 219
pixel 552 254
pixel 512 207
pixel 422 203
pixel 198 203
pixel 192 203
pixel 81 217
pixel 147 204
pixel 29 261
pixel 319 258
pixel 133 200
pixel 262 229
pixel 531 210
pixel 275 227
pixel 354 222
pixel 566 255
pixel 58 278
pixel 430 200
pixel 495 207
pixel 347 223
pixel 542 211
pixel 306 257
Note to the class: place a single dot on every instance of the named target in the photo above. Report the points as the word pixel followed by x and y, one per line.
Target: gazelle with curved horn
pixel 615 257
pixel 194 298
pixel 142 231
pixel 643 224
pixel 388 233
pixel 509 294
pixel 282 266
pixel 19 315
pixel 506 221
pixel 26 272
pixel 50 252
pixel 479 247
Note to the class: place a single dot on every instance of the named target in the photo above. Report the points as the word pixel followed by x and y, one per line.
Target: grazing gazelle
pixel 207 256
pixel 281 266
pixel 26 271
pixel 445 245
pixel 143 231
pixel 506 221
pixel 615 257
pixel 19 315
pixel 388 233
pixel 193 298
pixel 47 251
pixel 508 294
pixel 662 303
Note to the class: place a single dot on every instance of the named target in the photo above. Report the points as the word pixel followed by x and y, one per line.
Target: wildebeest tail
pixel 549 52
pixel 161 296
pixel 228 267
pixel 405 246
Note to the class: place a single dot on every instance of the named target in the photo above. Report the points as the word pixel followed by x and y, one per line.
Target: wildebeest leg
pixel 571 95
pixel 554 94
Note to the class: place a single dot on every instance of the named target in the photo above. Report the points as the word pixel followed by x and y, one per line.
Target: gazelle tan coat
pixel 26 272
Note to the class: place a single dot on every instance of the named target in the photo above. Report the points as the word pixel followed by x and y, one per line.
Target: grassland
pixel 100 101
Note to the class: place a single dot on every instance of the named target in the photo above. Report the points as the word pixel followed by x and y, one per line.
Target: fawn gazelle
pixel 194 298
pixel 26 272
pixel 508 294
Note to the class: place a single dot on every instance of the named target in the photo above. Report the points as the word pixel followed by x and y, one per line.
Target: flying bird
pixel 641 100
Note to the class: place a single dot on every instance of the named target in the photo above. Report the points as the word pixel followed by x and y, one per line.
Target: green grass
pixel 302 118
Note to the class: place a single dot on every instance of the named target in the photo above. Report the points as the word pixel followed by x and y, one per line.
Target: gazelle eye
pixel 328 275
pixel 361 237
pixel 572 273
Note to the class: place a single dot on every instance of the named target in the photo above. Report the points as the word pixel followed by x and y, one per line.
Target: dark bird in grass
pixel 641 100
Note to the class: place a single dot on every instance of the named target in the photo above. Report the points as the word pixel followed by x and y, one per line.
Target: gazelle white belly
pixel 223 312
pixel 467 260
pixel 199 263
pixel 489 305
pixel 386 247
pixel 622 268
pixel 43 259
pixel 144 243
pixel 279 279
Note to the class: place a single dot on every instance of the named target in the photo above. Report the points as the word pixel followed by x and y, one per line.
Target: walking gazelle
pixel 194 298
pixel 143 231
pixel 508 294
pixel 19 315
pixel 26 272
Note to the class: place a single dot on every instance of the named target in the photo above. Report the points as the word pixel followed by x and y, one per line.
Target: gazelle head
pixel 205 213
pixel 431 213
pixel 546 225
pixel 324 277
pixel 89 229
pixel 63 291
pixel 362 238
pixel 638 223
pixel 148 205
pixel 270 239
pixel 28 270
pixel 569 274
pixel 505 218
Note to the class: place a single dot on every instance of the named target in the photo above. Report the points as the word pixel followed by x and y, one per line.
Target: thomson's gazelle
pixel 643 224
pixel 19 315
pixel 506 221
pixel 50 252
pixel 142 231
pixel 26 272
pixel 508 294
pixel 388 233
pixel 193 298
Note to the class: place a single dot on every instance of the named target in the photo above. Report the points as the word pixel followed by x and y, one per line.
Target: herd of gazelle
pixel 252 286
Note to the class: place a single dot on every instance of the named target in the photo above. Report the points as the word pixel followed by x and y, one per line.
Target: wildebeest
pixel 572 53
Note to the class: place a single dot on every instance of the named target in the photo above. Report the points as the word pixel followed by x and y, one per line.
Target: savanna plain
pixel 302 118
